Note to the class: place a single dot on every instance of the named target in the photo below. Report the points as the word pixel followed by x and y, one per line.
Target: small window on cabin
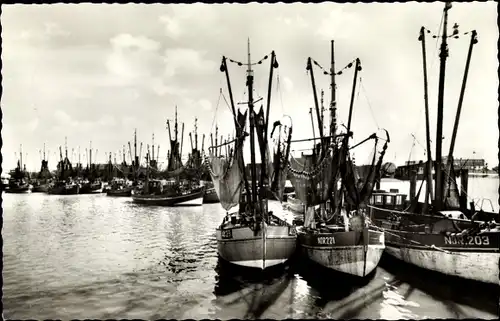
pixel 399 200
pixel 378 199
pixel 388 199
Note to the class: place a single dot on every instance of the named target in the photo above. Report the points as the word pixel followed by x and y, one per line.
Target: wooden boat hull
pixel 18 190
pixel 124 192
pixel 210 196
pixel 240 246
pixel 191 199
pixel 89 189
pixel 63 190
pixel 474 257
pixel 436 243
pixel 344 251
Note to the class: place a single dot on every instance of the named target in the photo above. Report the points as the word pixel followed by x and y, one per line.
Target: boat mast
pixel 427 124
pixel 316 105
pixel 439 132
pixel 153 148
pixel 21 157
pixel 473 41
pixel 136 160
pixel 352 95
pixel 195 133
pixel 322 110
pixel 333 102
pixel 252 127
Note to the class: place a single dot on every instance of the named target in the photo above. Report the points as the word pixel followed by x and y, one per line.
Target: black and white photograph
pixel 250 160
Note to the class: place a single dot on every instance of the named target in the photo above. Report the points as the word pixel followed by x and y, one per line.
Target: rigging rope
pixel 368 101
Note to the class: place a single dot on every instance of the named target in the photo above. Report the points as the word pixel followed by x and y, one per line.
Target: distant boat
pixel 252 236
pixel 64 188
pixel 119 188
pixel 17 187
pixel 188 197
pixel 210 195
pixel 17 182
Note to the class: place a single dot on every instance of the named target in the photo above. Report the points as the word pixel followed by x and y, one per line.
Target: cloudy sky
pixel 95 72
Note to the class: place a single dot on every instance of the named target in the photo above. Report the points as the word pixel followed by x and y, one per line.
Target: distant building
pixel 403 172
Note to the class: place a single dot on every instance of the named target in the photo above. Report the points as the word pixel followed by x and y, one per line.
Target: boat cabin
pixel 389 200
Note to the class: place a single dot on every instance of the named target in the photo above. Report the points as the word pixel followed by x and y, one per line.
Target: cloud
pixel 186 60
pixel 205 104
pixel 172 27
pixel 132 58
pixel 339 24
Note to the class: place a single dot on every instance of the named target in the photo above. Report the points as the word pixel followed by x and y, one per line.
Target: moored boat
pixel 441 234
pixel 210 195
pixel 182 197
pixel 252 236
pixel 343 239
pixel 64 188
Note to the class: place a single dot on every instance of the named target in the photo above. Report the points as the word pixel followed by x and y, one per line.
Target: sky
pixel 95 72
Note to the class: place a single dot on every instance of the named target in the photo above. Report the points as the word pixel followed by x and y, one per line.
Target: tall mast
pixel 43 151
pixel 66 146
pixel 322 110
pixel 352 94
pixel 316 105
pixel 90 154
pixel 176 123
pixel 333 102
pixel 252 126
pixel 439 132
pixel 473 40
pixel 135 148
pixel 429 192
pixel 153 148
pixel 195 133
pixel 21 156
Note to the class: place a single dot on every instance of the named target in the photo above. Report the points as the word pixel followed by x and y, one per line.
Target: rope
pixel 216 108
pixel 278 88
pixel 416 242
pixel 368 101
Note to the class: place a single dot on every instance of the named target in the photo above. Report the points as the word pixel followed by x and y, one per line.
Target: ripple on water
pixel 92 256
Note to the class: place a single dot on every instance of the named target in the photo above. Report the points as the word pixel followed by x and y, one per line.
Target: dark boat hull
pixel 190 199
pixel 353 253
pixel 18 190
pixel 124 192
pixel 89 189
pixel 40 188
pixel 210 196
pixel 63 190
pixel 438 245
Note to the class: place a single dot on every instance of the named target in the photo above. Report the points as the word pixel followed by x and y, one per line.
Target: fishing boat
pixel 42 181
pixel 18 181
pixel 334 236
pixel 64 183
pixel 210 194
pixel 90 183
pixel 252 236
pixel 176 192
pixel 441 234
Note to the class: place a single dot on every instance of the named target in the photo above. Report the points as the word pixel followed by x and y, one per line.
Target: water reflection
pixel 248 292
pixel 92 256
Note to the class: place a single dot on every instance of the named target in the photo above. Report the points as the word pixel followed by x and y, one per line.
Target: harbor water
pixel 93 256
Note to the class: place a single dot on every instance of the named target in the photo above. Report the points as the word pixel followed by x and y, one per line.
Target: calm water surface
pixel 92 256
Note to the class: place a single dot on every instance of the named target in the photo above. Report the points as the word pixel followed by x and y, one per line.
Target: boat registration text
pixel 326 240
pixel 467 240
